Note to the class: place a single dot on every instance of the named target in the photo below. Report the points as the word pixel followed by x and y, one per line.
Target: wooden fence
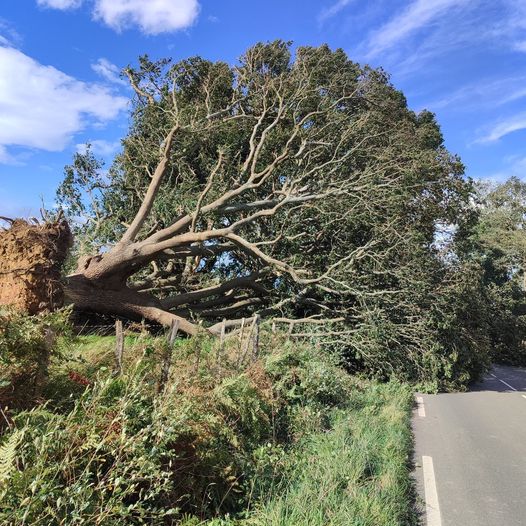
pixel 248 347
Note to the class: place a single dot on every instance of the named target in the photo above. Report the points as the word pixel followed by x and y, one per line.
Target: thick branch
pixel 152 191
pixel 249 281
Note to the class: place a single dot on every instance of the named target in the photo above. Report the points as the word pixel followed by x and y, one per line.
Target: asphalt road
pixel 470 453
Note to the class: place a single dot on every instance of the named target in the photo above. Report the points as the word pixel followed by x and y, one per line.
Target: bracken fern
pixel 8 456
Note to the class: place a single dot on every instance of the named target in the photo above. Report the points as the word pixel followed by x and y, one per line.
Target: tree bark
pixel 112 296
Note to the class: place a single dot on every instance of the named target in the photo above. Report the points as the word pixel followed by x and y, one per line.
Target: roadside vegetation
pixel 354 473
pixel 287 438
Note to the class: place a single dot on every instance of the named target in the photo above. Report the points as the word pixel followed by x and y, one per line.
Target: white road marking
pixel 505 383
pixel 523 396
pixel 420 406
pixel 430 488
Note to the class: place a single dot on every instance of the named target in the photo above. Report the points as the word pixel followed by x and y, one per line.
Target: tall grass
pixel 355 474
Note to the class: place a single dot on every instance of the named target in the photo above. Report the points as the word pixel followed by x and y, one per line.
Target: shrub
pixel 26 345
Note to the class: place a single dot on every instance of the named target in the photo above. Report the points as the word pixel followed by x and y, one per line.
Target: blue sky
pixel 465 60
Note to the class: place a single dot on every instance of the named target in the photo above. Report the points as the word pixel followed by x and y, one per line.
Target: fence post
pixel 221 347
pixel 119 347
pixel 247 344
pixel 174 327
pixel 255 349
pixel 197 358
pixel 241 334
pixel 241 331
pixel 167 358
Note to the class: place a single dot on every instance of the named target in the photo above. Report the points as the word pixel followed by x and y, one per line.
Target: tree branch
pixel 152 191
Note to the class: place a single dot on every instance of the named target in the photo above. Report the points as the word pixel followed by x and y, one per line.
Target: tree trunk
pixel 112 296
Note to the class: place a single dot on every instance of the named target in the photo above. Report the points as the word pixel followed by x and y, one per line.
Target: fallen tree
pixel 296 189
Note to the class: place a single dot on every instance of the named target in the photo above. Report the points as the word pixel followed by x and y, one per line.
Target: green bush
pixel 27 343
pixel 309 376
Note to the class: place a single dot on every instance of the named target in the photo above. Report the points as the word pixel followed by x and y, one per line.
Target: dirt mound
pixel 31 256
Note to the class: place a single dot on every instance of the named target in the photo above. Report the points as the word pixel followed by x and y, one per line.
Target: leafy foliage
pixel 205 445
pixel 354 473
pixel 498 245
pixel 26 345
pixel 8 456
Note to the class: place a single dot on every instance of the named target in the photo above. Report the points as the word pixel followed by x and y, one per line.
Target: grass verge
pixel 355 474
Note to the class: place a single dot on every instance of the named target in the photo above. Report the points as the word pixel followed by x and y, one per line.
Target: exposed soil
pixel 31 257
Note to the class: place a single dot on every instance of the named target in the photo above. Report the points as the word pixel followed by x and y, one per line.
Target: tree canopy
pixel 298 188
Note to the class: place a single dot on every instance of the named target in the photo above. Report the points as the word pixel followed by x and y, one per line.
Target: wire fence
pixel 236 349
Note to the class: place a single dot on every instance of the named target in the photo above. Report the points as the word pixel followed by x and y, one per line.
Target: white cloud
pixel 518 165
pixel 422 31
pixel 504 127
pixel 8 34
pixel 6 157
pixel 60 4
pixel 332 10
pixel 417 15
pixel 466 27
pixel 42 107
pixel 100 147
pixel 152 16
pixel 108 71
pixel 483 94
